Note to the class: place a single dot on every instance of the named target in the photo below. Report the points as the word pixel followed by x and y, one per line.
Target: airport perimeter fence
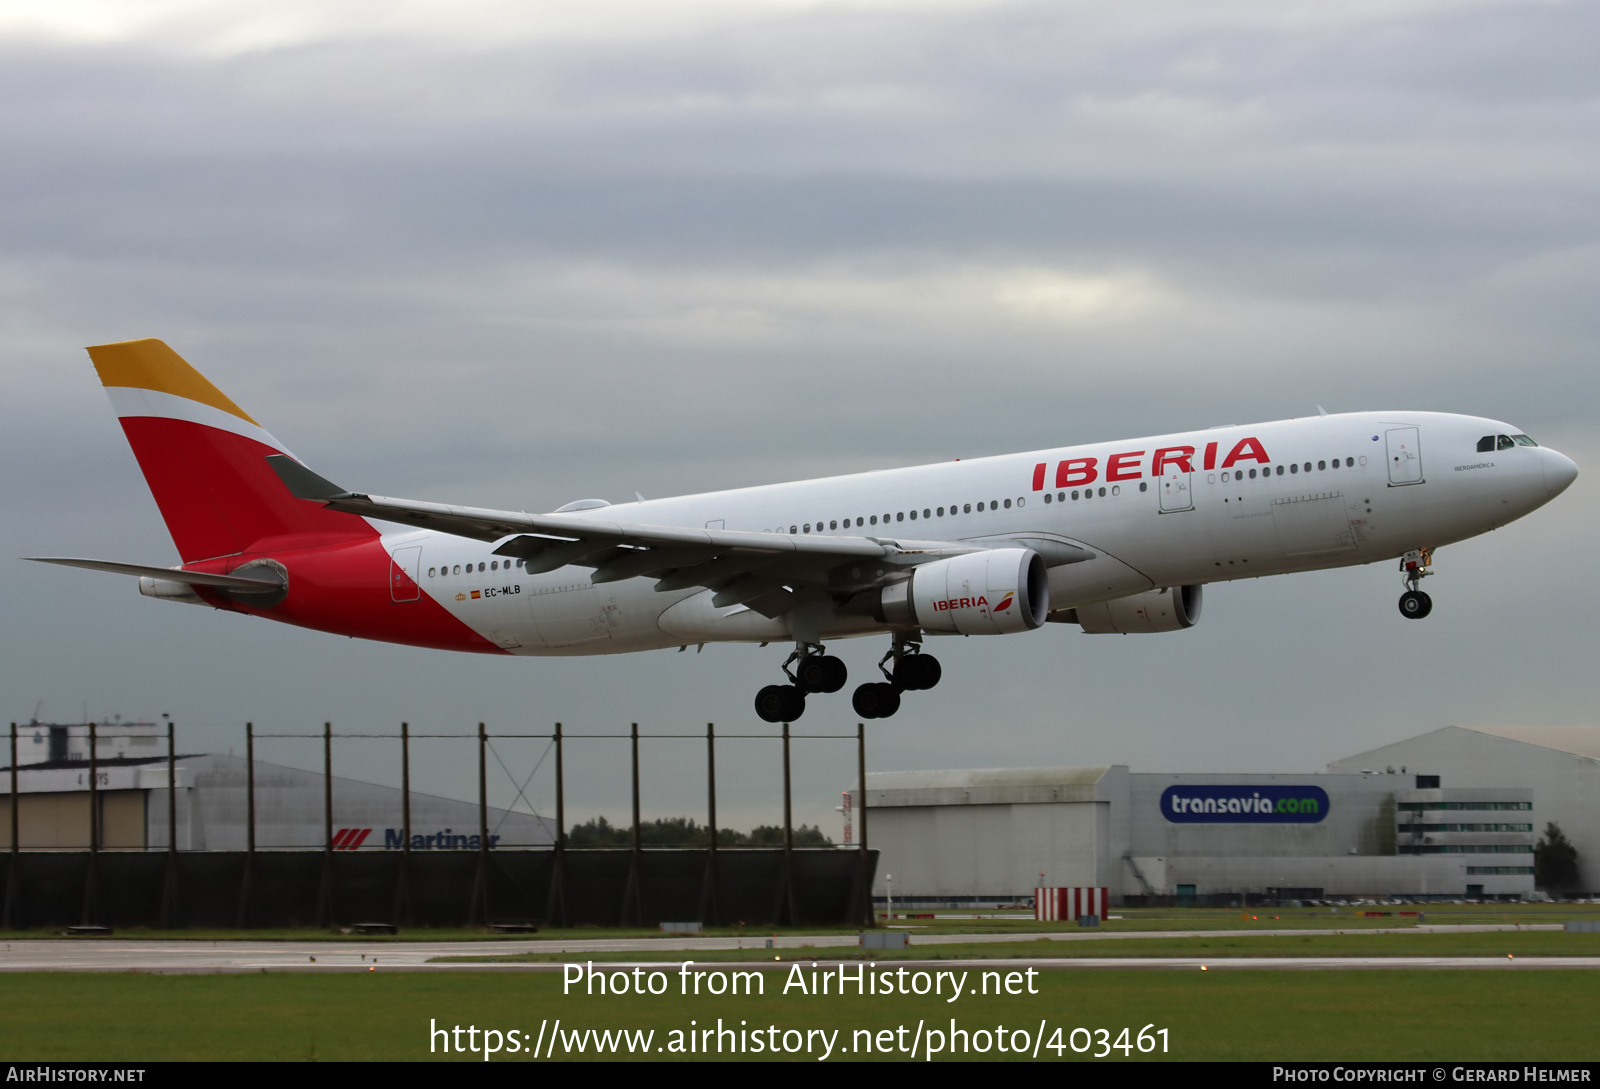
pixel 554 884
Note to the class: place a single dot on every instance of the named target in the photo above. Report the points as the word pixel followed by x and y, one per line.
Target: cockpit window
pixel 1523 440
pixel 1504 443
pixel 1486 444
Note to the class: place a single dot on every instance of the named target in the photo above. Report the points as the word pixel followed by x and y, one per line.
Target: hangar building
pixel 212 808
pixel 1451 814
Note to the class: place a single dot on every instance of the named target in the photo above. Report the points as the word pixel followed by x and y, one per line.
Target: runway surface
pixel 119 955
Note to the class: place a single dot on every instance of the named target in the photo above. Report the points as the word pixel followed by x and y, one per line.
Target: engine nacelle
pixel 1154 610
pixel 983 593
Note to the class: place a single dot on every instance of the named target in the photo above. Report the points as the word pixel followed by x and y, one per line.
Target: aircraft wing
pixel 761 570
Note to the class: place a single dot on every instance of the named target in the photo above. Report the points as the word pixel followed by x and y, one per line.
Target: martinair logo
pixel 351 839
pixel 950 603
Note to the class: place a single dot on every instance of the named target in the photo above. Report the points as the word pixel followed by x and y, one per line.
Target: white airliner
pixel 1113 537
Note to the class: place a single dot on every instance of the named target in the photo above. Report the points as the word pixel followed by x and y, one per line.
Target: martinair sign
pixel 1244 804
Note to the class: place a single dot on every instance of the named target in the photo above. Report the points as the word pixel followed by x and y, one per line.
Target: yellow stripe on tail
pixel 150 364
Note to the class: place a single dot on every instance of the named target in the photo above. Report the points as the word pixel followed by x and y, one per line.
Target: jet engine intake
pixel 996 592
pixel 1170 609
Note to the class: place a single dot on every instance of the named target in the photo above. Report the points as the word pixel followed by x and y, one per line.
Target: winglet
pixel 302 482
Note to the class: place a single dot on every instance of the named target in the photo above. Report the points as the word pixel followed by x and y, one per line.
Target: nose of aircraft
pixel 1559 471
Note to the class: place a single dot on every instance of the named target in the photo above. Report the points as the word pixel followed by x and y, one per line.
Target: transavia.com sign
pixel 1244 804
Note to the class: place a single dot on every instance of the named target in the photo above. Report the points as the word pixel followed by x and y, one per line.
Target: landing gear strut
pixel 913 671
pixel 814 671
pixel 1416 566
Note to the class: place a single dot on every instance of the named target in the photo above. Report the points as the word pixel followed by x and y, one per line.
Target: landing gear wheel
pixel 780 703
pixel 876 700
pixel 917 672
pixel 821 673
pixel 1414 604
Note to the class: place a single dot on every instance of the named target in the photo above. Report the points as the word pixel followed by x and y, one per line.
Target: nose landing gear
pixel 1417 565
pixel 813 671
pixel 913 671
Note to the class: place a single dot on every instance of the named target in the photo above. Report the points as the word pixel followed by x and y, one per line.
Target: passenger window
pixel 794 529
pixel 1504 442
pixel 1280 470
pixel 1322 465
pixel 1102 493
pixel 480 567
pixel 901 517
pixel 994 504
pixel 1074 497
pixel 430 572
pixel 1252 474
pixel 1486 444
pixel 458 569
pixel 926 513
pixel 1008 504
pixel 1349 463
pixel 1061 497
pixel 874 519
pixel 1048 497
pixel 859 521
pixel 913 516
pixel 1144 485
pixel 1294 468
pixel 833 525
pixel 967 509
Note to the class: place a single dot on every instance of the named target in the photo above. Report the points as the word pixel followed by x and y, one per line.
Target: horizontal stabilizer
pixel 235 583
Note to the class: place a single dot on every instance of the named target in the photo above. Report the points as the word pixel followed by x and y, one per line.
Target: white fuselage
pixel 1243 504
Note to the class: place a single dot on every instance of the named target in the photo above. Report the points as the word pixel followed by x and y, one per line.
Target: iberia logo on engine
pixel 949 603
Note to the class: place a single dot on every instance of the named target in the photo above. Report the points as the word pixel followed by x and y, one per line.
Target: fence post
pixel 13 871
pixel 864 881
pixel 709 908
pixel 94 792
pixel 172 789
pixel 711 785
pixel 16 800
pixel 405 790
pixel 479 910
pixel 169 889
pixel 786 912
pixel 325 893
pixel 245 890
pixel 556 905
pixel 402 885
pixel 632 913
pixel 327 788
pixel 250 789
pixel 94 831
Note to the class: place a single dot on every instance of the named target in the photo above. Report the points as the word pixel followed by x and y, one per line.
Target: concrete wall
pixel 212 813
pixel 1566 786
pixel 990 850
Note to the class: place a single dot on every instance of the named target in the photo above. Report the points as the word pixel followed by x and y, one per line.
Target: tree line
pixel 687 832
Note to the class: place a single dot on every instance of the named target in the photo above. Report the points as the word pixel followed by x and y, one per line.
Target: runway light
pixel 1202 968
pixel 372 967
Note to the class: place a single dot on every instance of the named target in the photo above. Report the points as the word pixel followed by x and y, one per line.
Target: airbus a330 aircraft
pixel 1113 537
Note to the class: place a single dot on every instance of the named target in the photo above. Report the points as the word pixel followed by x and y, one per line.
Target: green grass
pixel 1351 944
pixel 1132 919
pixel 1235 1015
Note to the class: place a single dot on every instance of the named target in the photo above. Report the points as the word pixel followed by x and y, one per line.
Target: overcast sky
pixel 515 254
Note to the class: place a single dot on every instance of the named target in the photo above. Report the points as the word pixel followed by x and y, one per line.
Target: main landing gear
pixel 1414 604
pixel 814 671
pixel 913 671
